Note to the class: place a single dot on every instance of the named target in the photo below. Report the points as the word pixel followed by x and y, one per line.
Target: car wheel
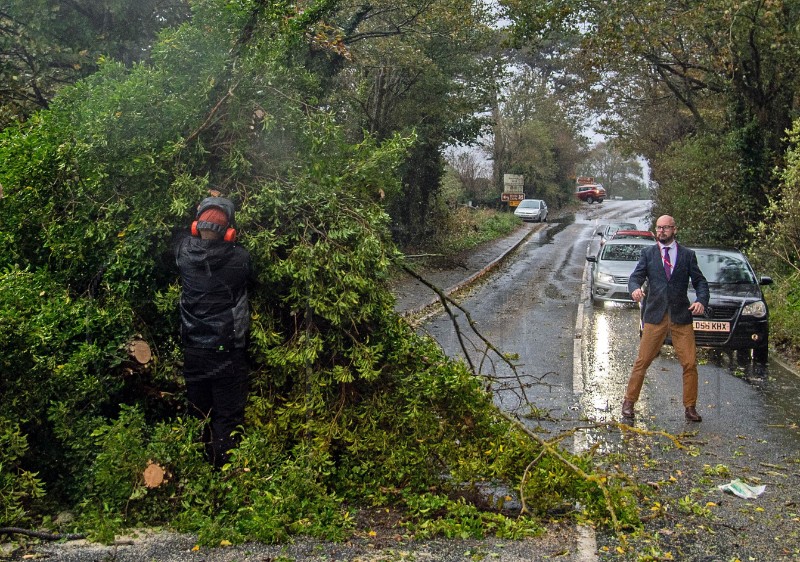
pixel 761 354
pixel 599 200
pixel 590 200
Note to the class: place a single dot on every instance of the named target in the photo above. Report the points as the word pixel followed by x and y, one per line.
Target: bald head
pixel 665 229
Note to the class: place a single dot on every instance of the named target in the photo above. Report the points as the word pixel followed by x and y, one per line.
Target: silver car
pixel 532 210
pixel 607 231
pixel 612 267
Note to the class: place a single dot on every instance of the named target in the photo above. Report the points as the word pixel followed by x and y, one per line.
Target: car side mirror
pixel 592 259
pixel 765 280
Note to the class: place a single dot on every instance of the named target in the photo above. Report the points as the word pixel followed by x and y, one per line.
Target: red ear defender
pixel 229 236
pixel 215 214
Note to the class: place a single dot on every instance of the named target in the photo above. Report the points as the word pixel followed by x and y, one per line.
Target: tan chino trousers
pixel 653 336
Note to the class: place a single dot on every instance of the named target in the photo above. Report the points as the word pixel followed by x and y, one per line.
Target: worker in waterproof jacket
pixel 215 321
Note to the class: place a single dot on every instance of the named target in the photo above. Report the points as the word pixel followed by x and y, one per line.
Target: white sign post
pixel 513 189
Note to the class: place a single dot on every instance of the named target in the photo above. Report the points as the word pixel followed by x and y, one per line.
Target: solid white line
pixel 587 544
pixel 577 354
pixel 586 539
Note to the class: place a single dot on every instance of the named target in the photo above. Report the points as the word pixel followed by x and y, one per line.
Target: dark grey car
pixel 737 317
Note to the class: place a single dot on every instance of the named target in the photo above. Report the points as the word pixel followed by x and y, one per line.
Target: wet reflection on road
pixel 737 397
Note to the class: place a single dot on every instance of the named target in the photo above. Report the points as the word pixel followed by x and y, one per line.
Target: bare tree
pixel 472 172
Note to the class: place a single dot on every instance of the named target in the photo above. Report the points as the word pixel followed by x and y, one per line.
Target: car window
pixel 725 268
pixel 529 203
pixel 611 229
pixel 621 252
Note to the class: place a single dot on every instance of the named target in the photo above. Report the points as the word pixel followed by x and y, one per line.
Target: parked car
pixel 590 192
pixel 607 231
pixel 737 317
pixel 612 267
pixel 532 210
pixel 644 234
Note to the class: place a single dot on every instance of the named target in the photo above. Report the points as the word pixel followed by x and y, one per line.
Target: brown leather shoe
pixel 692 415
pixel 627 408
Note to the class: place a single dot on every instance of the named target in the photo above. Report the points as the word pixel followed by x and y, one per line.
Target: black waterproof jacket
pixel 215 274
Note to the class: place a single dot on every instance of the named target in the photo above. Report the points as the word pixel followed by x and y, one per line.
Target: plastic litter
pixel 742 490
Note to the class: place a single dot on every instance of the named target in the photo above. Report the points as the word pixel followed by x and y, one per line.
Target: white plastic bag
pixel 742 490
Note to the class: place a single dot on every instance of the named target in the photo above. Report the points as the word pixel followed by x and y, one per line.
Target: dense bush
pixel 699 183
pixel 775 249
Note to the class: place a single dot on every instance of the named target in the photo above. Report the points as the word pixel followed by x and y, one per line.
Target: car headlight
pixel 757 309
pixel 605 278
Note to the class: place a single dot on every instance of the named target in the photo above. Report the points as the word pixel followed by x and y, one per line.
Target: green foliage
pixel 46 44
pixel 699 183
pixel 774 249
pixel 433 515
pixel 465 228
pixel 429 70
pixel 620 174
pixel 783 299
pixel 538 138
pixel 18 487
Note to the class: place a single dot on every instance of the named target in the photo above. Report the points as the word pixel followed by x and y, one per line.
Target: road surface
pixel 572 361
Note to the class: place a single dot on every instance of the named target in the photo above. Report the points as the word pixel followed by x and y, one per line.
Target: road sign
pixel 584 180
pixel 513 183
pixel 512 196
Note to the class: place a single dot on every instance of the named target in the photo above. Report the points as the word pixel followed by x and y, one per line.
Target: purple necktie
pixel 667 263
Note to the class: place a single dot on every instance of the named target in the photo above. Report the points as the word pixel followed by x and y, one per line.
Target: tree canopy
pixel 47 44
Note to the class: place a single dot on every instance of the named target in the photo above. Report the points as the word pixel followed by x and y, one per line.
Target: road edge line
pixel 586 540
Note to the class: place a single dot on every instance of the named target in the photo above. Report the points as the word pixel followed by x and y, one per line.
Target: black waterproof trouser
pixel 216 388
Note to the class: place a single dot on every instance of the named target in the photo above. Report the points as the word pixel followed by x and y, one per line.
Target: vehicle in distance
pixel 612 267
pixel 532 210
pixel 627 234
pixel 590 192
pixel 737 317
pixel 607 231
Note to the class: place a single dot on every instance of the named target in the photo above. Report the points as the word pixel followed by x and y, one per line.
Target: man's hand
pixel 697 308
pixel 637 295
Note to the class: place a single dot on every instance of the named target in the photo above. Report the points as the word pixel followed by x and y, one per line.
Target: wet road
pixel 571 362
pixel 572 359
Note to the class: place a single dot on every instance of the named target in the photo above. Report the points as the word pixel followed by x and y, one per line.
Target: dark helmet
pixel 226 205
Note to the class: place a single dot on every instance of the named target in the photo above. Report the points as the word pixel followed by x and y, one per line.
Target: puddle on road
pixel 766 406
pixel 776 382
pixel 546 235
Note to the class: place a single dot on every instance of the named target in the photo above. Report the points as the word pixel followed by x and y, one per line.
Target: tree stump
pixel 154 475
pixel 139 351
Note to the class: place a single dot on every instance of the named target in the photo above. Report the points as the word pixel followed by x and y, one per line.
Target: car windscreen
pixel 725 268
pixel 622 252
pixel 529 204
pixel 613 228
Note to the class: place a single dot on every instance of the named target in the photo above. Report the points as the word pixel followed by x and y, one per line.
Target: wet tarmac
pixel 569 363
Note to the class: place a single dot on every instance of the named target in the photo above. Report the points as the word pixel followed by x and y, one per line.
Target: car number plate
pixel 709 326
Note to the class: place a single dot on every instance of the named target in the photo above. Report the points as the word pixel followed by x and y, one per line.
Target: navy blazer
pixel 663 295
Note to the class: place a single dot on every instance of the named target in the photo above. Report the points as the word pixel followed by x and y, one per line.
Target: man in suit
pixel 668 267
